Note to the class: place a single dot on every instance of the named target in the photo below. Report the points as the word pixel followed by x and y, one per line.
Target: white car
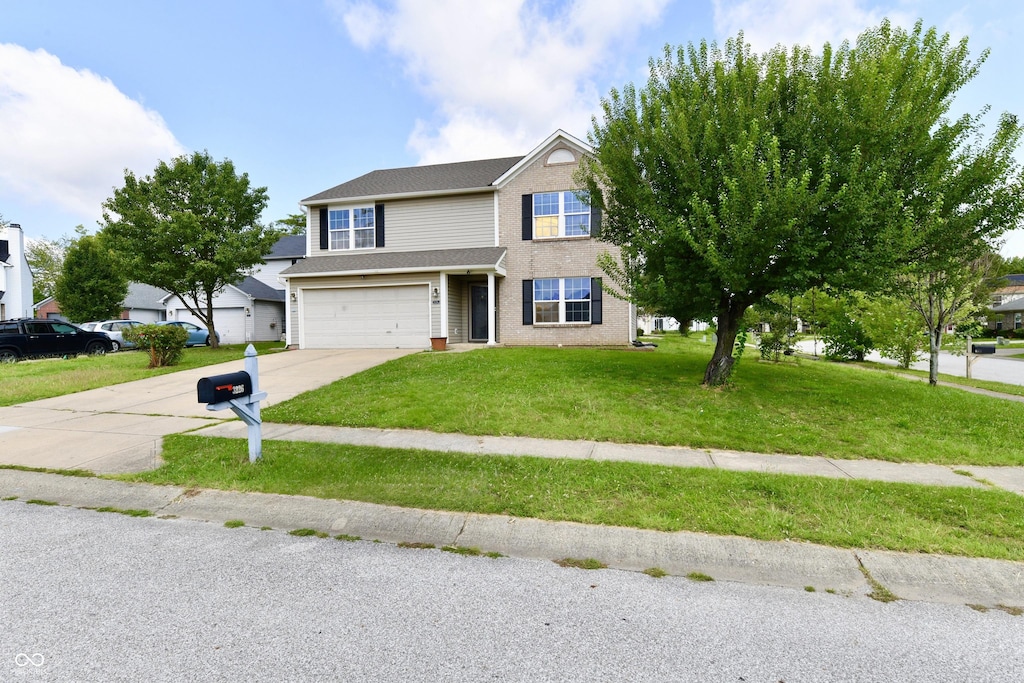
pixel 114 330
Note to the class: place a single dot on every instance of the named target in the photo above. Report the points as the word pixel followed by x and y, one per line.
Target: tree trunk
pixel 934 344
pixel 214 343
pixel 719 369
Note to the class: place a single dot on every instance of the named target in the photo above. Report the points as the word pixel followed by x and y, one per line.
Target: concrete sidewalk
pixel 1009 478
pixel 931 578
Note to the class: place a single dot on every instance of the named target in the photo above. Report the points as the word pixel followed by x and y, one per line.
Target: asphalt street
pixel 91 596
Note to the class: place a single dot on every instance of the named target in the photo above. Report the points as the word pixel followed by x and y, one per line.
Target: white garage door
pixel 366 317
pixel 230 323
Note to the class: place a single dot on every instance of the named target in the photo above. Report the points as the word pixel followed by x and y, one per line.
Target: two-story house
pixel 1007 308
pixel 492 251
pixel 15 274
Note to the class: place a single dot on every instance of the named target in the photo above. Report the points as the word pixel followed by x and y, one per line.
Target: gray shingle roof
pixel 464 175
pixel 289 246
pixel 143 296
pixel 479 257
pixel 259 290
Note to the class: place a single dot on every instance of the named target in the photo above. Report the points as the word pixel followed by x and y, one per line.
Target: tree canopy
pixel 292 224
pixel 732 176
pixel 191 228
pixel 91 285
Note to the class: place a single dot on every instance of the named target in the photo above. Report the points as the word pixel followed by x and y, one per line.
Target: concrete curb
pixel 798 565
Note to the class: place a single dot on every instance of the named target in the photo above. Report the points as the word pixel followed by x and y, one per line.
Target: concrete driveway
pixel 119 428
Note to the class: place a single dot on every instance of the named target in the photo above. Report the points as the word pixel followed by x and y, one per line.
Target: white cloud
pixel 503 75
pixel 66 135
pixel 766 23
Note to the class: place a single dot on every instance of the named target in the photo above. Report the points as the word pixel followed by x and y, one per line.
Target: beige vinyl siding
pixel 458 316
pixel 450 222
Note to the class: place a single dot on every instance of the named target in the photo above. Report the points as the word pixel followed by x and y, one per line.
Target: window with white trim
pixel 560 214
pixel 351 228
pixel 561 300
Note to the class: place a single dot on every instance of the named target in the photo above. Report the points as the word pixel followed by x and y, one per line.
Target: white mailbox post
pixel 239 391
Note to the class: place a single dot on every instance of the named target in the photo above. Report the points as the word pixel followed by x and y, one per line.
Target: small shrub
pixel 656 572
pixel 166 343
pixel 699 576
pixel 234 523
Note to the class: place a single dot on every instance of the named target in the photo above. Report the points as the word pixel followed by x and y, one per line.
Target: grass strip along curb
pixel 839 513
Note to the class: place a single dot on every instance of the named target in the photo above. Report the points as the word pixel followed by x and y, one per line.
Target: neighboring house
pixel 142 302
pixel 244 312
pixel 286 252
pixel 15 274
pixel 253 309
pixel 494 251
pixel 1008 305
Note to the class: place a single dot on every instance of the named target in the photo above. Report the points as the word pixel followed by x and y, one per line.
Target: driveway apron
pixel 119 428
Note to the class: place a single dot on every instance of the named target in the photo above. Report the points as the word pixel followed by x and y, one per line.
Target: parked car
pixel 29 337
pixel 114 330
pixel 197 336
pixel 88 327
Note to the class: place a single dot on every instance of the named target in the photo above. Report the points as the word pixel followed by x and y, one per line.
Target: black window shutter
pixel 378 221
pixel 595 301
pixel 527 302
pixel 595 221
pixel 527 216
pixel 323 228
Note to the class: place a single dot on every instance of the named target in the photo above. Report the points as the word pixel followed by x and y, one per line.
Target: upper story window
pixel 560 214
pixel 351 228
pixel 548 215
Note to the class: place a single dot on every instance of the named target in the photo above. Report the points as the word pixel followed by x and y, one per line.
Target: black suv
pixel 27 337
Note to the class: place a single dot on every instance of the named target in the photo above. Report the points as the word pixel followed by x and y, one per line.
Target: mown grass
pixel 842 513
pixel 31 380
pixel 798 406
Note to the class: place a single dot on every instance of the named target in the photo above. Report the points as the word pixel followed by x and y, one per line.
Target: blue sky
pixel 305 94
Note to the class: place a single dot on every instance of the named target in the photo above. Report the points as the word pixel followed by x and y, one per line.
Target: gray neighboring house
pixel 142 303
pixel 1008 305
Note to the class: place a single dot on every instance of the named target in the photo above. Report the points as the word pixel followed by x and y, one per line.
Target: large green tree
pixel 91 285
pixel 732 176
pixel 191 228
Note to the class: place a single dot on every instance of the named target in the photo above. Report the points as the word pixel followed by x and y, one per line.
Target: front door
pixel 478 313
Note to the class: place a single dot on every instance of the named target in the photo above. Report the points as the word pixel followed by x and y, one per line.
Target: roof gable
pixel 557 139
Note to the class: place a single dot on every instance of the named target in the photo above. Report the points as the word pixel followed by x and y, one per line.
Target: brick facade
pixel 550 258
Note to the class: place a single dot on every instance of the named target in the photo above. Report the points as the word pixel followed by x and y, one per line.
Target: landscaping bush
pixel 166 343
pixel 846 339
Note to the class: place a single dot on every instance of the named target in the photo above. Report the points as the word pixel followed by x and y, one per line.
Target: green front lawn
pixel 31 380
pixel 797 406
pixel 842 513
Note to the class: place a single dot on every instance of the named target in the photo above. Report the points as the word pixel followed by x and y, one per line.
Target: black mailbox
pixel 221 388
pixel 982 348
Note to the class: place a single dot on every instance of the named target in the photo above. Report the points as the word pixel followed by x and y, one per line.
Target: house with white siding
pixel 253 309
pixel 15 275
pixel 491 251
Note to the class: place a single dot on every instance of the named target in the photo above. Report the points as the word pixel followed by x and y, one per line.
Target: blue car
pixel 197 336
